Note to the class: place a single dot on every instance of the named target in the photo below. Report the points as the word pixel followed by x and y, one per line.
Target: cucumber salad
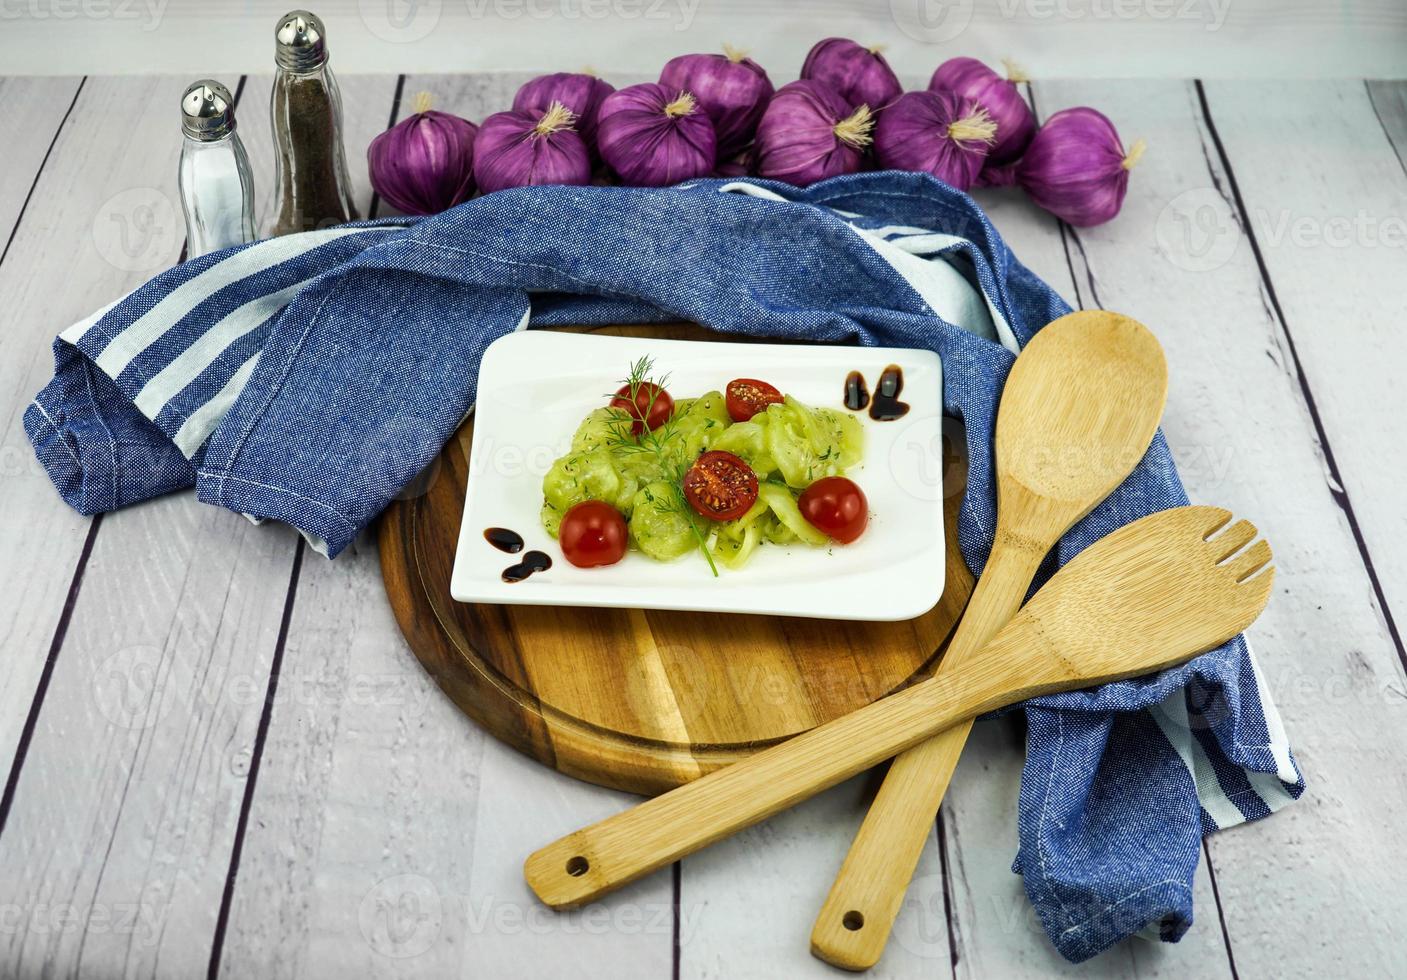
pixel 721 474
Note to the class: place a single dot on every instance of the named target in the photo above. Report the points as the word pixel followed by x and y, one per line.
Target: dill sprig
pixel 659 442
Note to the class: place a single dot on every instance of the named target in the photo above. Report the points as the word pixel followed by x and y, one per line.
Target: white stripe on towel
pixel 1272 788
pixel 1171 716
pixel 73 333
pixel 943 288
pixel 203 421
pixel 173 378
pixel 178 303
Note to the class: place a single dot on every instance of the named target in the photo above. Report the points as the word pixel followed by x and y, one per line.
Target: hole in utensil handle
pixel 853 920
pixel 577 866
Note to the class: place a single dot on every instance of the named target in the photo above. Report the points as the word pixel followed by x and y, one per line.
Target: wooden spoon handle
pixel 855 920
pixel 590 862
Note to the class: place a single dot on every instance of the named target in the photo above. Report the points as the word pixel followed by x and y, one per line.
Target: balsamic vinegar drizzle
pixel 512 542
pixel 533 561
pixel 886 406
pixel 857 395
pixel 504 539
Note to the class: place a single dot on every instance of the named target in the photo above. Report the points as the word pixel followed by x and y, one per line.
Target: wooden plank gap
pixel 260 736
pixel 36 705
pixel 1221 917
pixel 1398 148
pixel 395 116
pixel 678 892
pixel 1338 489
pixel 19 218
pixel 942 833
pixel 1067 233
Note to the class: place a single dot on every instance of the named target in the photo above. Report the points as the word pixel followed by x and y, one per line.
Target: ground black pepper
pixel 313 190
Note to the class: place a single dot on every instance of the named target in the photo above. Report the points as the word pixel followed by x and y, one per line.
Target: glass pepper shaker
pixel 216 183
pixel 314 190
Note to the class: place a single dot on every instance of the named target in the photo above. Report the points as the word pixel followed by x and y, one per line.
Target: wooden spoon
pixel 1147 597
pixel 1079 409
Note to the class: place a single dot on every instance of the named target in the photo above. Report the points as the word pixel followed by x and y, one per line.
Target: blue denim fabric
pixel 352 389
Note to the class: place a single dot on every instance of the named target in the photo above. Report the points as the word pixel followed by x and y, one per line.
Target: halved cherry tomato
pixel 836 506
pixel 651 408
pixel 720 486
pixel 592 533
pixel 748 396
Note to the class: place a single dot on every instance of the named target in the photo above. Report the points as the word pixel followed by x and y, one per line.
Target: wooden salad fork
pixel 1147 597
pixel 1078 411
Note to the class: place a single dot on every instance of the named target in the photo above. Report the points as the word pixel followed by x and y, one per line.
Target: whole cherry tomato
pixel 651 407
pixel 837 507
pixel 593 533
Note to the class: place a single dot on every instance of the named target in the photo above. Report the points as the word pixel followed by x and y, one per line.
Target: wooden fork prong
pixel 1208 520
pixel 1233 539
pixel 1250 561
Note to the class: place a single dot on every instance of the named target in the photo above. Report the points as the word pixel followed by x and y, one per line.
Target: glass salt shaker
pixel 314 190
pixel 217 185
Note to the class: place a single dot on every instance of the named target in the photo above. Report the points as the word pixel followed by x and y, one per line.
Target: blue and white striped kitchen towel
pixel 310 378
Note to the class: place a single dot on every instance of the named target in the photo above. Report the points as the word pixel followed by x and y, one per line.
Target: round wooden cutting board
pixel 631 699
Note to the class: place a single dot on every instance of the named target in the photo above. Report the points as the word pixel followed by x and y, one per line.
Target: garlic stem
pixel 422 102
pixel 683 105
pixel 979 127
pixel 1014 72
pixel 1135 154
pixel 854 129
pixel 557 117
pixel 735 55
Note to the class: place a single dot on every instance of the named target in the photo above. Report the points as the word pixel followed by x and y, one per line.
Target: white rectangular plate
pixel 535 387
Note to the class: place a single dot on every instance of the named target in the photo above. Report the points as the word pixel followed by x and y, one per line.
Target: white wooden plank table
pixel 219 757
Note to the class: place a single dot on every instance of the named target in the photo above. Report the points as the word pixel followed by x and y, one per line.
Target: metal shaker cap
pixel 300 42
pixel 207 111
